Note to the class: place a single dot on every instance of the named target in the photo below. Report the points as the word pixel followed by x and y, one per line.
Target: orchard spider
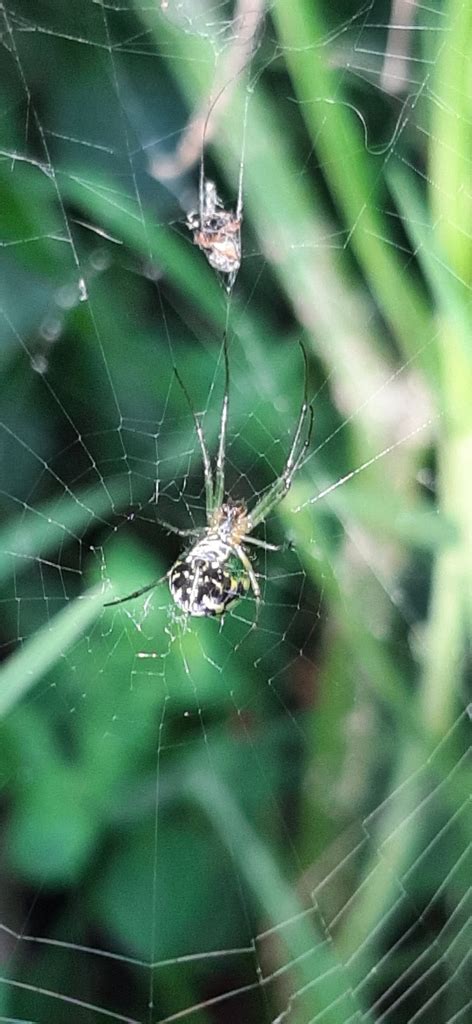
pixel 216 570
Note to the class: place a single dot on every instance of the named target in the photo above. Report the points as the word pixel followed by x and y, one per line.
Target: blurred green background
pixel 213 822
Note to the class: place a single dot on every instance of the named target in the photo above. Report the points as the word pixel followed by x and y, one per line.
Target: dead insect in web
pixel 216 569
pixel 217 232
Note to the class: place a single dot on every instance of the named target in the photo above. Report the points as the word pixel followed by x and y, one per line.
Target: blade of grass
pixel 33 660
pixel 446 264
pixel 446 249
pixel 417 751
pixel 321 985
pixel 54 524
pixel 452 295
pixel 451 141
pixel 339 140
pixel 170 252
pixel 415 523
pixel 444 649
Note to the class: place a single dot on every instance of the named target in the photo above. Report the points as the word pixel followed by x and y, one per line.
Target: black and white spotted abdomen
pixel 208 579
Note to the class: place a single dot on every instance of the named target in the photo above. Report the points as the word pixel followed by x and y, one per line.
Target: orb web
pixel 250 820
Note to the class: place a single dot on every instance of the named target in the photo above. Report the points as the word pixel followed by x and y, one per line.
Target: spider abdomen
pixel 208 580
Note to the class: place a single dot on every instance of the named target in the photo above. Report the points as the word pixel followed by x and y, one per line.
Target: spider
pixel 216 570
pixel 217 231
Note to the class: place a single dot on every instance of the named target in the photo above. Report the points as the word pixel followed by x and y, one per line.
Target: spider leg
pixel 176 529
pixel 209 489
pixel 220 460
pixel 265 544
pixel 241 554
pixel 280 486
pixel 136 593
pixel 239 205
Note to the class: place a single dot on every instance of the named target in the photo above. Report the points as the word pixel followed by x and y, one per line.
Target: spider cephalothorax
pixel 230 520
pixel 216 571
pixel 217 232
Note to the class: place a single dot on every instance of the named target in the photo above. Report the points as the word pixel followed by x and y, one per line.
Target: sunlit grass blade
pixel 451 140
pixel 443 240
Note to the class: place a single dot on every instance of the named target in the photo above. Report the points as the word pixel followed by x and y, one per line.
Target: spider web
pixel 223 821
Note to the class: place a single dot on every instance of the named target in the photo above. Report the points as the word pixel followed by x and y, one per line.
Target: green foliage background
pixel 298 793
